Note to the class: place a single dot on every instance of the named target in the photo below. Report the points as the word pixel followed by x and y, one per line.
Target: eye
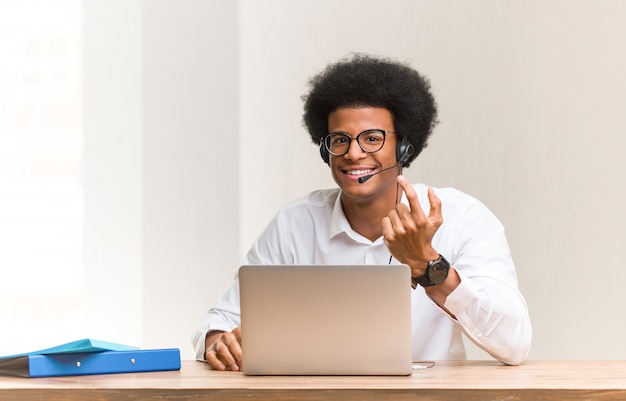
pixel 338 140
pixel 373 137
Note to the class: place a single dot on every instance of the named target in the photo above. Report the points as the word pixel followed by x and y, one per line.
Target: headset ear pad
pixel 404 150
pixel 324 152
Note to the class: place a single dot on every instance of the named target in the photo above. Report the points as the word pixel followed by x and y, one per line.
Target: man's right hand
pixel 223 349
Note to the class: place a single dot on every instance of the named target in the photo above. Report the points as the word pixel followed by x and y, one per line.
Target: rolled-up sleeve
pixel 488 304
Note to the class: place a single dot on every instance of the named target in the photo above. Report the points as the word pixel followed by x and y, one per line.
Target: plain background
pixel 193 140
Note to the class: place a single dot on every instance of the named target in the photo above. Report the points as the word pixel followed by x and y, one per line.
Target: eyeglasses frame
pixel 350 139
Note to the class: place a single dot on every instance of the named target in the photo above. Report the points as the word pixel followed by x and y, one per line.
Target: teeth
pixel 358 172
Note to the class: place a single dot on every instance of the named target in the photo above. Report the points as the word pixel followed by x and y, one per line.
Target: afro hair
pixel 362 80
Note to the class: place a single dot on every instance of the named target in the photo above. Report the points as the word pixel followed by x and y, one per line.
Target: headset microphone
pixel 361 180
pixel 405 150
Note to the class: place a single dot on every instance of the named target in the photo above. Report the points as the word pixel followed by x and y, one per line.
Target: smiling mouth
pixel 358 172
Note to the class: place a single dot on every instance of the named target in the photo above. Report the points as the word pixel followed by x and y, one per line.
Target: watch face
pixel 438 272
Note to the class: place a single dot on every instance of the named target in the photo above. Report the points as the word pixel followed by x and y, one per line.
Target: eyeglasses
pixel 370 141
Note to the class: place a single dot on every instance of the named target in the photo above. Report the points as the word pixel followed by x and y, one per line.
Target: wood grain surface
pixel 467 380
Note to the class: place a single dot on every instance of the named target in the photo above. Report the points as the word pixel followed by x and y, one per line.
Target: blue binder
pixel 89 358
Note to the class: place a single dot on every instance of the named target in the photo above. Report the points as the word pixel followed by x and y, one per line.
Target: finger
pixel 435 206
pixel 238 351
pixel 387 229
pixel 411 196
pixel 237 333
pixel 401 219
pixel 212 358
pixel 406 220
pixel 230 353
pixel 221 359
pixel 389 233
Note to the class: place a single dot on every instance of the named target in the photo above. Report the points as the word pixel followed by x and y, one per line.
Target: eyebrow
pixel 365 130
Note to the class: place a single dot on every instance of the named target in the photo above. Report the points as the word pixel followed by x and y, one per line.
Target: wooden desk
pixel 472 380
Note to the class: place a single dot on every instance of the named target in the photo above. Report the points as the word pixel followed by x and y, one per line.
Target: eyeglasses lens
pixel 369 141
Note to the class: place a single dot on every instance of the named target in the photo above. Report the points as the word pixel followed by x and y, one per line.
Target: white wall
pixel 113 175
pixel 194 140
pixel 190 204
pixel 161 124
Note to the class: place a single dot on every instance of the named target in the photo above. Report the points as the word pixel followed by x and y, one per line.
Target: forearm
pixel 439 293
pixel 494 317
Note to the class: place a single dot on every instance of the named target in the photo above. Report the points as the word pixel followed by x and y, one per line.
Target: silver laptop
pixel 326 320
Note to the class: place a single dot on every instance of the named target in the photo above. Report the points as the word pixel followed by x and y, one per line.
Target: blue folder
pixel 89 357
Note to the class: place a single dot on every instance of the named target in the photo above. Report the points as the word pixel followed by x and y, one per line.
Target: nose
pixel 354 151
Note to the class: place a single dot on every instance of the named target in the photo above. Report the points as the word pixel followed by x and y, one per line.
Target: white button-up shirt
pixel 487 305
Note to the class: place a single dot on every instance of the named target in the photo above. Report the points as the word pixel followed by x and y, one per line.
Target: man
pixel 371 117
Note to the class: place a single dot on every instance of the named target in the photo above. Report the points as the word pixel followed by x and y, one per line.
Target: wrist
pixel 435 273
pixel 439 293
pixel 419 266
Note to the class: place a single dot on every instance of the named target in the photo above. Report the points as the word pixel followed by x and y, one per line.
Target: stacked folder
pixel 89 357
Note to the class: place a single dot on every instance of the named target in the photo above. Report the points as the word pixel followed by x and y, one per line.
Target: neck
pixel 365 215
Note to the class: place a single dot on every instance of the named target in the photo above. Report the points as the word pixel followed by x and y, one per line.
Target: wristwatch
pixel 436 273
